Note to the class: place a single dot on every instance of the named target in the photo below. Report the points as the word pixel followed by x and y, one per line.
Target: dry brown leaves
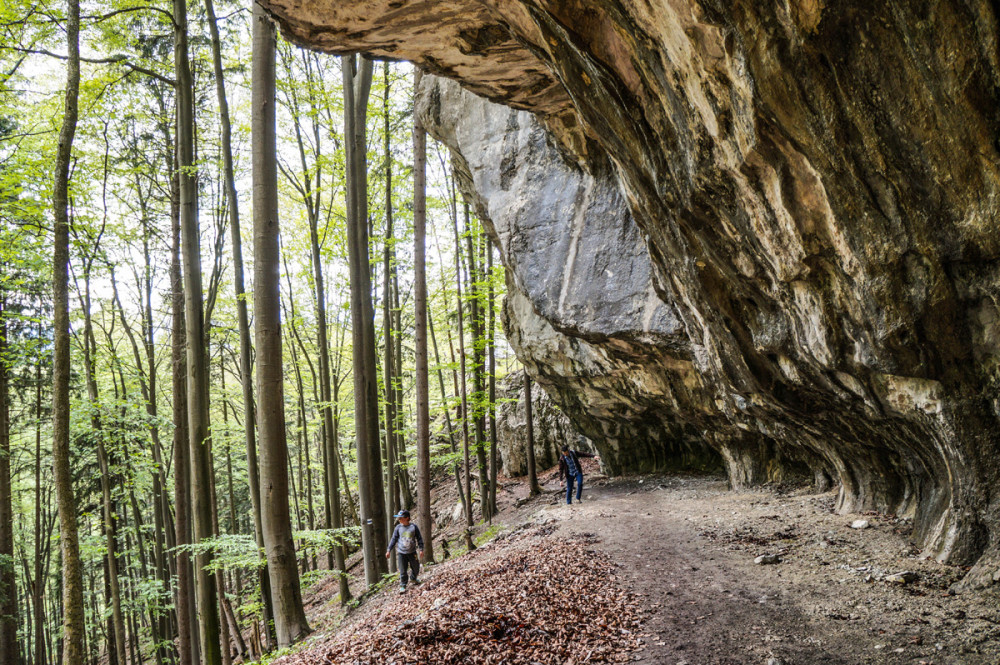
pixel 531 598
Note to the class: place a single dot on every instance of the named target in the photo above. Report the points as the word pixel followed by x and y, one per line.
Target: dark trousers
pixel 407 560
pixel 570 477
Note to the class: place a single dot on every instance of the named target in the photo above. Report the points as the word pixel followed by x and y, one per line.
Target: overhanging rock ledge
pixel 815 186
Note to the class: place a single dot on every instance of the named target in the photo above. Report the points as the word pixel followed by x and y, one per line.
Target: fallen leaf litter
pixel 517 601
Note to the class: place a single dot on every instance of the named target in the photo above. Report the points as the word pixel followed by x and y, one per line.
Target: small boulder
pixel 903 577
pixel 860 524
pixel 767 559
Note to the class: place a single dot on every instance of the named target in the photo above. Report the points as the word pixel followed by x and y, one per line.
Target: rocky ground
pixel 686 548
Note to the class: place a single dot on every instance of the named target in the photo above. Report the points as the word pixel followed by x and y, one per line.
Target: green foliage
pixel 229 552
pixel 121 206
pixel 317 541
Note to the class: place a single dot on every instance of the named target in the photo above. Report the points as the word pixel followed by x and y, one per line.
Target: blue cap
pixel 402 513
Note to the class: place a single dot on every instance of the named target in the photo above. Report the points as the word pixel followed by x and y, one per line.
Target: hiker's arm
pixel 420 538
pixel 392 541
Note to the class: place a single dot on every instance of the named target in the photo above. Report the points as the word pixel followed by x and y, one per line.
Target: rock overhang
pixel 817 186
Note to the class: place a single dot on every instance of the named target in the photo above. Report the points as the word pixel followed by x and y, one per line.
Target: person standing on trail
pixel 569 467
pixel 407 540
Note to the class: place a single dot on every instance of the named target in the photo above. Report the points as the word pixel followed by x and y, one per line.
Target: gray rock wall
pixel 817 184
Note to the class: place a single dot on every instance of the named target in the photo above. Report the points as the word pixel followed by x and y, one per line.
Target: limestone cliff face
pixel 581 310
pixel 816 184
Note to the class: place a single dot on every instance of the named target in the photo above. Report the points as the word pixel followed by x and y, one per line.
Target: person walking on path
pixel 569 467
pixel 408 542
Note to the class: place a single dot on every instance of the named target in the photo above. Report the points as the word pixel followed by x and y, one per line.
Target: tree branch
pixel 113 60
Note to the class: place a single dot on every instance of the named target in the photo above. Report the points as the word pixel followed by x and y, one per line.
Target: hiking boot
pixel 415 581
pixel 402 588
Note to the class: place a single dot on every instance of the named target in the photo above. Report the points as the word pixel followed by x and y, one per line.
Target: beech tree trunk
pixel 197 358
pixel 8 590
pixel 424 520
pixel 184 599
pixel 357 85
pixel 108 512
pixel 478 362
pixel 492 396
pixel 38 584
pixel 389 376
pixel 533 488
pixel 74 628
pixel 289 617
pixel 243 324
pixel 462 372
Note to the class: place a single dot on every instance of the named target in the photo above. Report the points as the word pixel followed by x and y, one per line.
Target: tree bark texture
pixel 478 362
pixel 492 396
pixel 8 590
pixel 389 377
pixel 533 488
pixel 184 598
pixel 74 627
pixel 197 358
pixel 243 324
pixel 462 370
pixel 425 520
pixel 289 617
pixel 357 85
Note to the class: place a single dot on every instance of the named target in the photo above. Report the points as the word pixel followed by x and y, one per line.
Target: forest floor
pixel 683 549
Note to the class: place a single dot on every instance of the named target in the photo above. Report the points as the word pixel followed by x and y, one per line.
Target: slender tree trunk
pixel 533 488
pixel 329 438
pixel 462 372
pixel 111 648
pixel 492 397
pixel 425 520
pixel 74 628
pixel 352 508
pixel 357 85
pixel 389 366
pixel 478 363
pixel 289 617
pixel 161 510
pixel 8 589
pixel 117 621
pixel 197 359
pixel 447 409
pixel 243 319
pixel 38 587
pixel 234 221
pixel 182 451
pixel 303 433
pixel 402 472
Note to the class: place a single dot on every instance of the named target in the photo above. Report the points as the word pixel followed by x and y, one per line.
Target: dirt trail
pixel 688 545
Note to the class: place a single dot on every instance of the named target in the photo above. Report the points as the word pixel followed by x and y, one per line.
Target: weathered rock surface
pixel 581 310
pixel 817 186
pixel 552 428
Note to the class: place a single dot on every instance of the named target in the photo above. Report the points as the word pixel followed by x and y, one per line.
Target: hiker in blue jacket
pixel 408 541
pixel 569 468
